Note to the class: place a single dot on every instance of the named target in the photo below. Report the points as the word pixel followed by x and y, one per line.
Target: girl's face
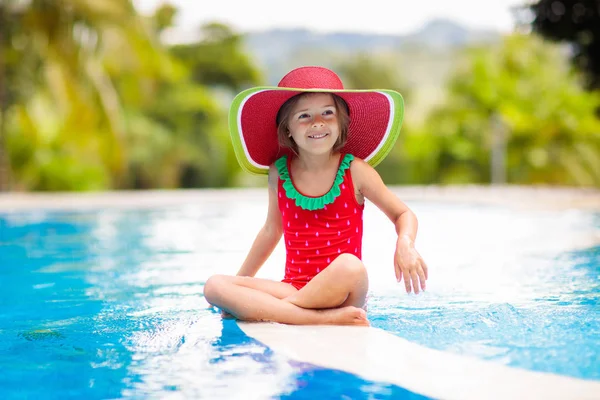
pixel 313 123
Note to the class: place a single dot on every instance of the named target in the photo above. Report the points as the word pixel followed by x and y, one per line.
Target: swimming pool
pixel 102 299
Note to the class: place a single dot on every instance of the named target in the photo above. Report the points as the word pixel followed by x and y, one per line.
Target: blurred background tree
pixel 376 72
pixel 62 118
pixel 523 98
pixel 180 134
pixel 576 22
pixel 93 98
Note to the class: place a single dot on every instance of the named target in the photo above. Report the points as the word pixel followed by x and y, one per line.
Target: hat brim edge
pixel 239 146
pixel 393 131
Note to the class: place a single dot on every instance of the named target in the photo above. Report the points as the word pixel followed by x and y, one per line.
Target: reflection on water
pixel 522 289
pixel 108 303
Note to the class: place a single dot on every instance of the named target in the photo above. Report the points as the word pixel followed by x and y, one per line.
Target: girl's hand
pixel 409 264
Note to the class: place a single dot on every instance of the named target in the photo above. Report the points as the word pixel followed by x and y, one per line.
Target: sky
pixel 366 16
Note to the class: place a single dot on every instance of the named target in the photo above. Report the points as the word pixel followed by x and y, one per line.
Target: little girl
pixel 319 144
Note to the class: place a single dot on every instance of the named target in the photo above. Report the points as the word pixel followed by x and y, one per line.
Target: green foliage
pixel 368 71
pixel 365 71
pixel 553 132
pixel 164 17
pixel 94 101
pixel 576 22
pixel 44 159
pixel 57 51
pixel 218 59
pixel 182 132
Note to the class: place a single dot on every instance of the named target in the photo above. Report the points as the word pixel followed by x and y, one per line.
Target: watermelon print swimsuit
pixel 317 230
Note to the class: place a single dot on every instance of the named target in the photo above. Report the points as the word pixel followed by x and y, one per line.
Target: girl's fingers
pixel 422 277
pixel 407 280
pixel 414 278
pixel 425 268
pixel 415 281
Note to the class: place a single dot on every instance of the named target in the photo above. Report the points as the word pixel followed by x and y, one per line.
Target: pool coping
pixel 376 355
pixel 537 197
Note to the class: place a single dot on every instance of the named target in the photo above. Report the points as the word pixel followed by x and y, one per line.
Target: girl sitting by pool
pixel 319 144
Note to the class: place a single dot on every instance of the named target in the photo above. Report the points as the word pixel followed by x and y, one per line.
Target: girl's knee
pixel 213 286
pixel 351 265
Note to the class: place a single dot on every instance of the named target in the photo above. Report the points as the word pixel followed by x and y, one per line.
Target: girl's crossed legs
pixel 334 297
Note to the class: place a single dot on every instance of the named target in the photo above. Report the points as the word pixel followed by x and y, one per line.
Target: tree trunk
pixel 4 164
pixel 498 158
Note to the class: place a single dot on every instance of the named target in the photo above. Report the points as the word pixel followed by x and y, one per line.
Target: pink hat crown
pixel 311 78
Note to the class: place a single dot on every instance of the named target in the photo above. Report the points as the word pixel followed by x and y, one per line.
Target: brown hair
pixel 284 113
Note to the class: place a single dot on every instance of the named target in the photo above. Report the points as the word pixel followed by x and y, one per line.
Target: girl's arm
pixel 407 261
pixel 268 236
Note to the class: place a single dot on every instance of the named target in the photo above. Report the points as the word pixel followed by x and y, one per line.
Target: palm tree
pixel 4 27
pixel 67 50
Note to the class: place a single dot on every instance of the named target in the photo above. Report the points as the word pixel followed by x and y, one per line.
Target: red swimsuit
pixel 318 229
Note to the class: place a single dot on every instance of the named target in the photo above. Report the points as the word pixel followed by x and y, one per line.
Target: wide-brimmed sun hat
pixel 375 118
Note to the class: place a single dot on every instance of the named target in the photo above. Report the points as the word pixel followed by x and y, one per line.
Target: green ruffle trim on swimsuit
pixel 312 203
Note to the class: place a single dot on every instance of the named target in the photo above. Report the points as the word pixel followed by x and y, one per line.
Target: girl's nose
pixel 317 121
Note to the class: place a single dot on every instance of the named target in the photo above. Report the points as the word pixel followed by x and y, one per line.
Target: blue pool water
pixel 106 303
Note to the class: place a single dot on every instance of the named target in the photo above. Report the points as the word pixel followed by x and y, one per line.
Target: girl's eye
pixel 328 112
pixel 305 115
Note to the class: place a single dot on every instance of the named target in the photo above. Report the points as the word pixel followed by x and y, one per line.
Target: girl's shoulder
pixel 358 164
pixel 273 175
pixel 363 173
pixel 279 169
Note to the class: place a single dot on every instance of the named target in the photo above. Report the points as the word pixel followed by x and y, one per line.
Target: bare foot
pixel 226 315
pixel 346 316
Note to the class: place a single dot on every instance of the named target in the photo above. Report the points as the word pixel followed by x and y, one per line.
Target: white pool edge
pixel 534 197
pixel 376 355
